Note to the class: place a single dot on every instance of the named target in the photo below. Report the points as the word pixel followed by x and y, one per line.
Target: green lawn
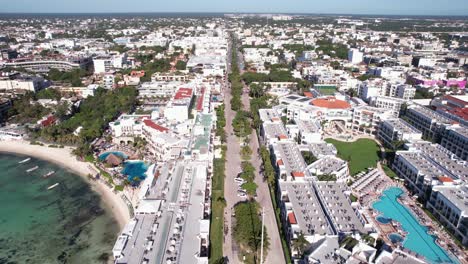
pixel 217 212
pixel 360 154
pixel 327 91
pixel 217 225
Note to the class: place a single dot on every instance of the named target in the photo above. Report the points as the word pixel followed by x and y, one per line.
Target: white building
pixel 455 139
pixel 158 89
pixel 104 64
pixel 426 165
pixel 355 56
pixel 330 165
pixel 405 91
pixel 397 129
pixel 108 80
pixel 429 122
pixel 32 84
pixel 305 131
pixel 367 119
pixel 449 204
pixel 178 108
pixel 389 103
pixel 369 89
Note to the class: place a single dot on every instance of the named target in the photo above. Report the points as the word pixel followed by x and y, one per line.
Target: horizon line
pixel 226 12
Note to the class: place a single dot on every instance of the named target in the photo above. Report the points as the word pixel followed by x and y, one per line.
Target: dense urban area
pixel 242 138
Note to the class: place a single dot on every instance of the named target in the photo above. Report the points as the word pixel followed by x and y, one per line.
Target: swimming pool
pixel 104 155
pixel 395 238
pixel 135 171
pixel 417 239
pixel 383 220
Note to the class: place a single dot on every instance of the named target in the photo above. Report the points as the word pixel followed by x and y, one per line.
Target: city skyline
pixel 353 7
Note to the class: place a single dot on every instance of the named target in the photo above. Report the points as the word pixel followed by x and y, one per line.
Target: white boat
pixel 32 169
pixel 53 186
pixel 48 174
pixel 25 160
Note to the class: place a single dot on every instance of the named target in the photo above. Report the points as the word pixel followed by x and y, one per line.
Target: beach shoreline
pixel 64 158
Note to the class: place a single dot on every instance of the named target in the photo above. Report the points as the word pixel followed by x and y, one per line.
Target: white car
pixel 241 195
pixel 239 180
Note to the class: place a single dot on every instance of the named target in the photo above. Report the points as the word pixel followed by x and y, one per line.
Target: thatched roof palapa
pixel 113 160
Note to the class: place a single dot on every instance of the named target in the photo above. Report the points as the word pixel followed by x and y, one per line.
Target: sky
pixel 377 7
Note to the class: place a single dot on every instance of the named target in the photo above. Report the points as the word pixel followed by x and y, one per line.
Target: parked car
pixel 241 195
pixel 239 180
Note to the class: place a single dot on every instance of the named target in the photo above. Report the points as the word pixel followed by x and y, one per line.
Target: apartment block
pixel 429 122
pixel 426 165
pixel 455 139
pixel 397 129
pixel 449 204
pixel 387 102
pixel 367 119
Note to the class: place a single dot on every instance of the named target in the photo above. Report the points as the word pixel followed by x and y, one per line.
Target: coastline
pixel 64 158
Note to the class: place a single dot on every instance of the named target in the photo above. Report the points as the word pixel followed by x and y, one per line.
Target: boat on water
pixel 48 174
pixel 32 169
pixel 25 160
pixel 53 186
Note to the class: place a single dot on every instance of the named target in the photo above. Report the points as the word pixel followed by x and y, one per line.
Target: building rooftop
pixel 322 149
pixel 330 103
pixel 428 113
pixel 195 240
pixel 401 125
pixel 324 250
pixel 274 130
pixel 308 126
pixel 269 115
pixel 153 125
pixel 434 161
pixel 288 154
pixel 457 195
pixel 461 130
pixel 327 165
pixel 139 240
pixel 183 93
pixel 343 215
pixel 306 208
pixel 459 112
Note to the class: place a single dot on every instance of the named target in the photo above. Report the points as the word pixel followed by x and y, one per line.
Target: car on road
pixel 239 180
pixel 241 195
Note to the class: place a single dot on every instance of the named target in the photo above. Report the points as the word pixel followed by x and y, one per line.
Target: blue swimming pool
pixel 417 239
pixel 104 155
pixel 395 238
pixel 135 171
pixel 383 219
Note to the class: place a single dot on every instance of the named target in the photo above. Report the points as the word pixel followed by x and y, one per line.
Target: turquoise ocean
pixel 67 224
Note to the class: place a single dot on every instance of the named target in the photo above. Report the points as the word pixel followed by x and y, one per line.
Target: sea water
pixel 67 224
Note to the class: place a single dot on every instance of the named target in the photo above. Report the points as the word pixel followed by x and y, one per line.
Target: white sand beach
pixel 64 158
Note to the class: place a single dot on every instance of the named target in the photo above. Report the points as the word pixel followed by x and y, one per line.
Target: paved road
pixel 233 167
pixel 275 253
pixel 231 170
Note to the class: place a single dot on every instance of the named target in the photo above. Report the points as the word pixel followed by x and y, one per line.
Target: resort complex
pixel 246 138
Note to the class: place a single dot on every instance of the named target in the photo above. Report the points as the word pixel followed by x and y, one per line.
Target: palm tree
pixel 300 244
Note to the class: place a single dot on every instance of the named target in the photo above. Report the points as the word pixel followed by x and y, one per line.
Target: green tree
pixel 49 93
pixel 309 158
pixel 61 111
pixel 257 90
pixel 181 65
pixel 300 244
